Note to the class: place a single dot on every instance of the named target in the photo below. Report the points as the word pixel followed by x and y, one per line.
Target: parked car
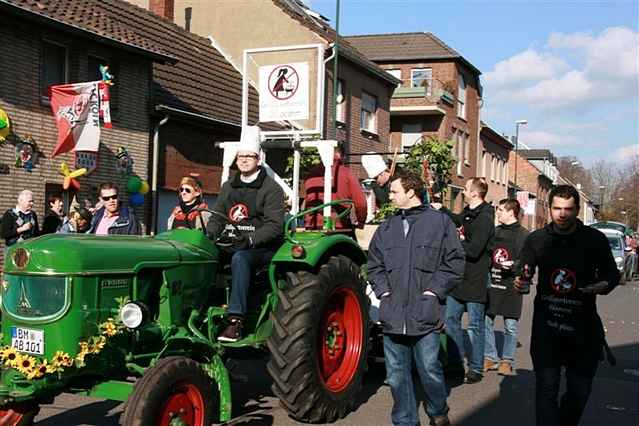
pixel 620 252
pixel 615 226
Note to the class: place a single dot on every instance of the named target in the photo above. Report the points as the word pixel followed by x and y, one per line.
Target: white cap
pixel 250 139
pixel 373 164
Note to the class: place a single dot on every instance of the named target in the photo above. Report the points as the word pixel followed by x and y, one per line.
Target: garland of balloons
pixel 137 188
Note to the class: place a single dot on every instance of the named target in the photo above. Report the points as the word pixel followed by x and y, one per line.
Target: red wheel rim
pixel 341 339
pixel 185 406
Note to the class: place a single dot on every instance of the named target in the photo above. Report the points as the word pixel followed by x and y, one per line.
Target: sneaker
pixel 233 331
pixel 472 377
pixel 489 365
pixel 439 421
pixel 505 369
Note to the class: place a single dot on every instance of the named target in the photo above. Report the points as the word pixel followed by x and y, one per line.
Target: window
pixel 369 110
pixel 461 97
pixel 484 164
pixel 466 149
pixel 459 150
pixel 93 72
pixel 422 77
pixel 411 134
pixel 188 11
pixel 54 67
pixel 498 172
pixel 340 105
pixel 493 168
pixel 505 173
pixel 397 73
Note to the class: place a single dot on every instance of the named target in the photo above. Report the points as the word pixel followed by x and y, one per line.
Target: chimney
pixel 163 8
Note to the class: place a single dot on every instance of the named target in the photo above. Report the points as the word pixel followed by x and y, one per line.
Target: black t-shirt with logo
pixel 564 315
pixel 505 246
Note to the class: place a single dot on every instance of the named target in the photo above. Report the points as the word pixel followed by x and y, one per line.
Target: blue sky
pixel 550 62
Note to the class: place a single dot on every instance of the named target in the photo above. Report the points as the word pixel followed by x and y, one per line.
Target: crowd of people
pixel 426 265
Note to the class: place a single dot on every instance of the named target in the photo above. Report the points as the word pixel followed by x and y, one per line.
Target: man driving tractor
pixel 253 204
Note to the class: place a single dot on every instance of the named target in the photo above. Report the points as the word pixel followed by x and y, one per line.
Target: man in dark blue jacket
pixel 415 260
pixel 113 218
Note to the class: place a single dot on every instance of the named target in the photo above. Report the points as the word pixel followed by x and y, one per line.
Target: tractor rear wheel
pixel 21 415
pixel 175 391
pixel 319 342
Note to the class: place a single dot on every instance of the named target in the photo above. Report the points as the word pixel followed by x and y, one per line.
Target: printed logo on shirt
pixel 500 255
pixel 238 212
pixel 563 281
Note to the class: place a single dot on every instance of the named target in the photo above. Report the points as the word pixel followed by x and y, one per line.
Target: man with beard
pixel 575 265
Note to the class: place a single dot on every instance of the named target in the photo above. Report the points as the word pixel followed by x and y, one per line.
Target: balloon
pixel 136 199
pixel 133 184
pixel 144 188
pixel 70 176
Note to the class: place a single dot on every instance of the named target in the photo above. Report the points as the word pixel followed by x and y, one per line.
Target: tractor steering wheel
pixel 224 240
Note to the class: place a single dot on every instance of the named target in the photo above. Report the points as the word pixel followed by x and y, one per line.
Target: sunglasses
pixel 110 197
pixel 185 189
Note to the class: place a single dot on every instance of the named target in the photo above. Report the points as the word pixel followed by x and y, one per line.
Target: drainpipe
pixel 333 55
pixel 154 182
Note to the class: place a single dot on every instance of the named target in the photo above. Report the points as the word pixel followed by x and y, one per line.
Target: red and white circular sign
pixel 283 82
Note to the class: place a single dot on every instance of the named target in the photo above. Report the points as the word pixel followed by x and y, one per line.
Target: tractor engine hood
pixel 90 254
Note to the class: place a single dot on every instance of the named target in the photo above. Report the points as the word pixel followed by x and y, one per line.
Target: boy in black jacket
pixel 503 298
pixel 476 225
pixel 575 265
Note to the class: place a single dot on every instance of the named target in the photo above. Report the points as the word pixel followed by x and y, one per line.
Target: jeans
pixel 244 264
pixel 511 326
pixel 476 333
pixel 578 386
pixel 424 350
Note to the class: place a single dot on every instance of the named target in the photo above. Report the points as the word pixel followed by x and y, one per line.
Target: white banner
pixel 530 207
pixel 284 92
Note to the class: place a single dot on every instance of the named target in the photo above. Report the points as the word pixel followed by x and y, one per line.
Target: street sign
pixel 283 90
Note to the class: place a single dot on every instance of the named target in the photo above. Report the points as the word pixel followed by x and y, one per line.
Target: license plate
pixel 27 340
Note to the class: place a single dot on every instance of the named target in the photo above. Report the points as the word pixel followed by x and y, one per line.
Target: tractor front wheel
pixel 176 391
pixel 319 342
pixel 21 415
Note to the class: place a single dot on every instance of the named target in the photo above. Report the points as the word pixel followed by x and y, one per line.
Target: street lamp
pixel 517 124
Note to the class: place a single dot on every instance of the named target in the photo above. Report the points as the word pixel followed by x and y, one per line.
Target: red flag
pixel 76 108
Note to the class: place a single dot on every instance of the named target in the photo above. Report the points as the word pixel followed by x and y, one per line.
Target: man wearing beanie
pixel 254 203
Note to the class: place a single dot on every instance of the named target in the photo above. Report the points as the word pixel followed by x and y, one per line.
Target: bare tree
pixel 572 169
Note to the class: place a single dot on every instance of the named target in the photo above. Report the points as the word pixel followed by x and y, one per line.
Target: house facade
pixel 493 163
pixel 364 91
pixel 41 48
pixel 439 96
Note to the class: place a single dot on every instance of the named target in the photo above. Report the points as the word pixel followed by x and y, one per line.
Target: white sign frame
pixel 319 108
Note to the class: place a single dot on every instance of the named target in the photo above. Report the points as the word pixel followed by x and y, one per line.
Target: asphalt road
pixel 494 401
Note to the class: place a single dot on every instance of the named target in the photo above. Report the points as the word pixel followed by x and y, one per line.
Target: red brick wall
pixel 21 51
pixel 531 180
pixel 357 80
pixel 497 187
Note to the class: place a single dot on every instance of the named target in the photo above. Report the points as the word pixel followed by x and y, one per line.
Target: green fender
pixel 317 245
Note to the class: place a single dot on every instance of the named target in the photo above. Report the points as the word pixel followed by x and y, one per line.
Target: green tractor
pixel 136 319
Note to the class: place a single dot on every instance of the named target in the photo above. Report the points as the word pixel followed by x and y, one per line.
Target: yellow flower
pixel 37 371
pixel 84 347
pixel 48 368
pixel 10 356
pixel 109 329
pixel 25 364
pixel 98 345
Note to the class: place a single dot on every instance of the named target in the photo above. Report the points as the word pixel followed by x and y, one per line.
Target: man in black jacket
pixel 476 225
pixel 254 204
pixel 415 259
pixel 20 223
pixel 503 298
pixel 575 265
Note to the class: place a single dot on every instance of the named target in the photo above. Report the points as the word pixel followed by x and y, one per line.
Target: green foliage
pixel 309 159
pixel 387 210
pixel 439 155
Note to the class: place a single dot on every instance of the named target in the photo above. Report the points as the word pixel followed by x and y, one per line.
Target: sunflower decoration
pixel 9 356
pixel 61 360
pixel 26 364
pixel 98 344
pixel 39 370
pixel 109 328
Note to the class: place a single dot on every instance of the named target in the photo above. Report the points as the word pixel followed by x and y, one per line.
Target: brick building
pixel 41 47
pixel 364 88
pixel 172 87
pixel 493 163
pixel 534 181
pixel 439 95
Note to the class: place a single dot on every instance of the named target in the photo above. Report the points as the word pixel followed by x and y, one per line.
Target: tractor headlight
pixel 132 315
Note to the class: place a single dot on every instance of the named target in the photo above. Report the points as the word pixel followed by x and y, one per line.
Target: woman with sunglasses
pixel 187 213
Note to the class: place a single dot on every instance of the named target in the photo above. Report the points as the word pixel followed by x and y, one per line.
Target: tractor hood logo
pixel 500 255
pixel 238 212
pixel 563 280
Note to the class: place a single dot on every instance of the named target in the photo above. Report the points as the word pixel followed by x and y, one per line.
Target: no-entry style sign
pixel 284 92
